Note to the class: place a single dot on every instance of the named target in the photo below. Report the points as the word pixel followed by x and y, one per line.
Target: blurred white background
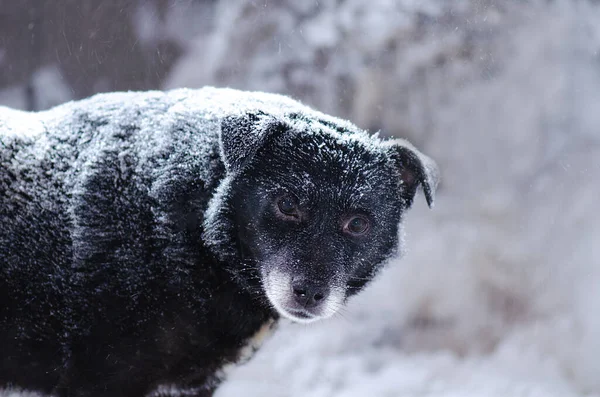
pixel 499 292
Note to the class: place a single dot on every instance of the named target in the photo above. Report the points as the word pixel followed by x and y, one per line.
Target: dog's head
pixel 313 207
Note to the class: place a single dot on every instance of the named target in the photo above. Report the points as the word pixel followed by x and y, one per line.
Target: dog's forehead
pixel 324 165
pixel 347 156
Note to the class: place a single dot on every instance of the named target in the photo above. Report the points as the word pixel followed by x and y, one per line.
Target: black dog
pixel 147 240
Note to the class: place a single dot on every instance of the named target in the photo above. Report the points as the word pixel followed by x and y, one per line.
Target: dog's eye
pixel 357 225
pixel 288 206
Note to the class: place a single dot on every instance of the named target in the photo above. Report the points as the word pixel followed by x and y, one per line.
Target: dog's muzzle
pixel 299 299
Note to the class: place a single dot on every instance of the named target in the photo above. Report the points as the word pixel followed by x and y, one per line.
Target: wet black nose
pixel 309 295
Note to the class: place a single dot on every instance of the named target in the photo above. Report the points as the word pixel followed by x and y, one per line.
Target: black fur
pixel 137 231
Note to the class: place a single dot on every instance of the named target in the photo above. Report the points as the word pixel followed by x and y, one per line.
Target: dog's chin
pixel 297 315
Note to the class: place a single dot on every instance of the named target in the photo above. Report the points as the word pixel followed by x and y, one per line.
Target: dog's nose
pixel 309 295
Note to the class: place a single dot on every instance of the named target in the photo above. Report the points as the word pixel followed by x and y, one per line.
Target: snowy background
pixel 499 292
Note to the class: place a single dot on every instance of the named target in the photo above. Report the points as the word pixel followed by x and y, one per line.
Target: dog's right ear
pixel 414 169
pixel 242 136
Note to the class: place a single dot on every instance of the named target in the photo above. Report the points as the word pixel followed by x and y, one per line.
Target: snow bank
pixel 337 360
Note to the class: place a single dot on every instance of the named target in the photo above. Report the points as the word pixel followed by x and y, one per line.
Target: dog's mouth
pixel 301 303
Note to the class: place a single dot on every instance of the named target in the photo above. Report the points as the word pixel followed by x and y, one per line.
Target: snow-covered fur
pixel 146 239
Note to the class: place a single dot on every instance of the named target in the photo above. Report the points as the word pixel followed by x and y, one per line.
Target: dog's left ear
pixel 243 135
pixel 415 169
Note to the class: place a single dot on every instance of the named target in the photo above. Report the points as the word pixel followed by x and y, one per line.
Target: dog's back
pixel 76 235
